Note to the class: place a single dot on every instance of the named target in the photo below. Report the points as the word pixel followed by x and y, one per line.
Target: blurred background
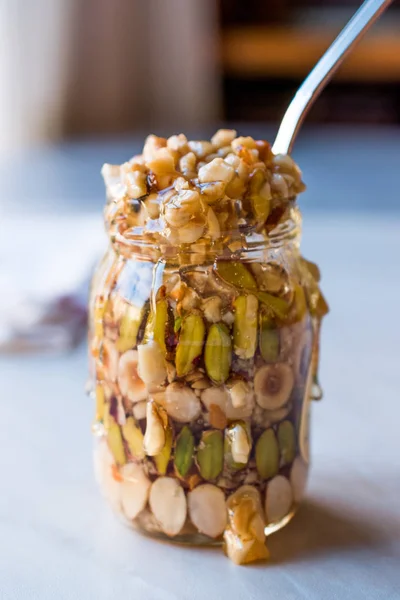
pixel 83 81
pixel 74 68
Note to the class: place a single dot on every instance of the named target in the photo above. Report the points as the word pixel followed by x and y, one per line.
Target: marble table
pixel 59 541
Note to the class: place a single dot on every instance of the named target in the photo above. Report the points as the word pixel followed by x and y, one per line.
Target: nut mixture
pixel 201 197
pixel 204 342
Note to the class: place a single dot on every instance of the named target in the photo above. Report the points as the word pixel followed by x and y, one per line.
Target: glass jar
pixel 204 359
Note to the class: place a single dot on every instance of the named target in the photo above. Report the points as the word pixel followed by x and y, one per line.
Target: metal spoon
pixel 315 82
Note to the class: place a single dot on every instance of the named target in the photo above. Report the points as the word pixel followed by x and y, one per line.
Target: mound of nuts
pixel 195 192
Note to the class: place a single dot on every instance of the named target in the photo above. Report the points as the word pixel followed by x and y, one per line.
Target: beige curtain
pixel 78 67
pixel 34 45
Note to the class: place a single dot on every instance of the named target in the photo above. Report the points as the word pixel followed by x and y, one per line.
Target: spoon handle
pixel 315 82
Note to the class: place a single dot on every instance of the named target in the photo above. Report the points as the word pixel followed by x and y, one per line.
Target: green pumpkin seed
pixel 162 459
pixel 210 454
pixel 218 353
pixel 245 326
pixel 277 306
pixel 267 454
pixel 177 324
pixel 269 339
pixel 100 402
pixel 129 328
pixel 184 451
pixel 157 324
pixel 236 274
pixel 287 442
pixel 260 196
pixel 190 345
pixel 134 437
pixel 115 443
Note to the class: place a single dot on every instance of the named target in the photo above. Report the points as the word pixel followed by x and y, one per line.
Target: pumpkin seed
pixel 162 459
pixel 184 451
pixel 236 274
pixel 269 339
pixel 134 437
pixel 190 345
pixel 245 326
pixel 267 454
pixel 277 306
pixel 157 324
pixel 115 442
pixel 210 454
pixel 100 402
pixel 260 196
pixel 218 353
pixel 129 328
pixel 287 442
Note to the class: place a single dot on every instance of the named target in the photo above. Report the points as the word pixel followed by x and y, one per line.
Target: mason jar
pixel 204 362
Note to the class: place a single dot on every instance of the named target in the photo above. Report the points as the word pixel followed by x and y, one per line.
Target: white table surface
pixel 58 540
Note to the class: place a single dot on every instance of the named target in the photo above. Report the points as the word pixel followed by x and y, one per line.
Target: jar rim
pixel 140 241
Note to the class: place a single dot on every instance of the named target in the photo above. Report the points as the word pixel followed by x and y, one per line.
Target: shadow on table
pixel 318 530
